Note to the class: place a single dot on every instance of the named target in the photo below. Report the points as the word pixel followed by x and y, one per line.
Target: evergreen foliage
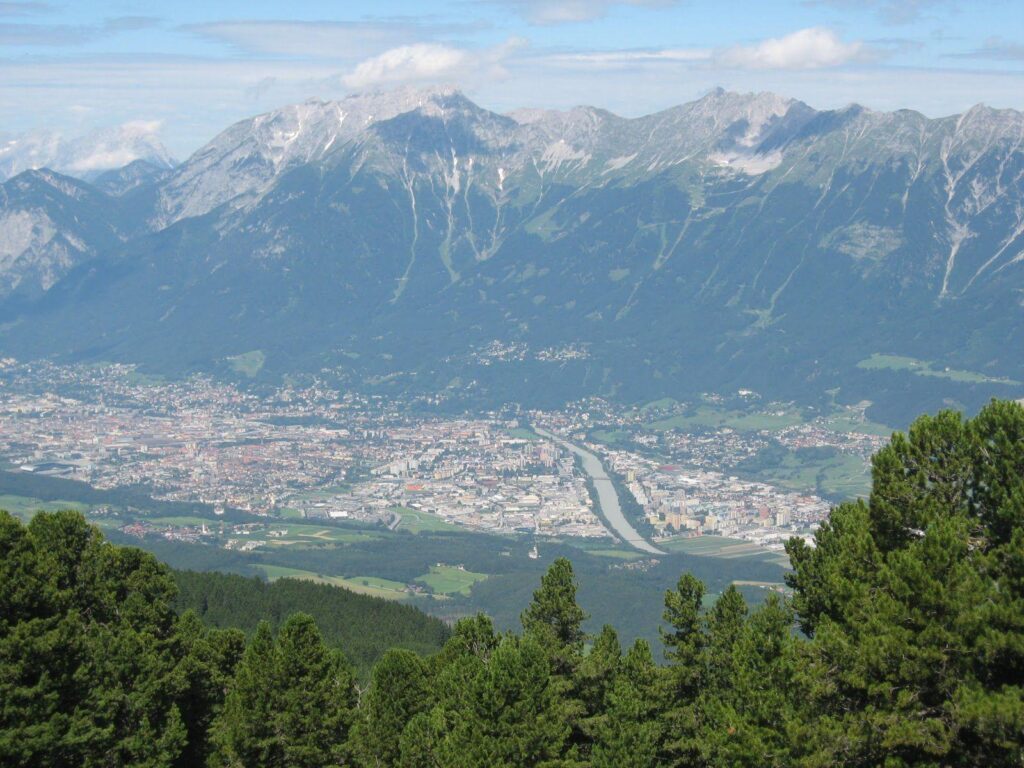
pixel 290 704
pixel 902 644
pixel 365 627
pixel 914 602
pixel 397 694
pixel 90 654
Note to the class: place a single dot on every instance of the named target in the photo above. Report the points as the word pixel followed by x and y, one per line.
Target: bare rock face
pixel 242 162
pixel 48 225
pixel 740 239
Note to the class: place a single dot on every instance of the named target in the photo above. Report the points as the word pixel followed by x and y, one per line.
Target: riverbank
pixel 607 495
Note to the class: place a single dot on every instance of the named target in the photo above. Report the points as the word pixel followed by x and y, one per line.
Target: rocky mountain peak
pixel 988 121
pixel 244 160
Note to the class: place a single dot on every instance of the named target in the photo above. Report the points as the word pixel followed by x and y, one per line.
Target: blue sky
pixel 191 68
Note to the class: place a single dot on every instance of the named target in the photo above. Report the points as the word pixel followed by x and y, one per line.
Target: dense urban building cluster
pixel 315 452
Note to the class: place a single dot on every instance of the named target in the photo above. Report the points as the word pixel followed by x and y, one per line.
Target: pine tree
pixel 915 606
pixel 510 717
pixel 594 680
pixel 685 641
pixel 745 719
pixel 554 621
pixel 418 746
pixel 316 699
pixel 724 625
pixel 290 703
pixel 473 636
pixel 207 665
pixel 398 692
pixel 631 733
pixel 554 618
pixel 87 650
pixel 246 734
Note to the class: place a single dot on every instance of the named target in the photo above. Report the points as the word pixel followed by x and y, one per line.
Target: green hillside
pixel 363 626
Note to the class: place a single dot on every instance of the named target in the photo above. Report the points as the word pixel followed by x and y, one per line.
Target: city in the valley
pixel 313 452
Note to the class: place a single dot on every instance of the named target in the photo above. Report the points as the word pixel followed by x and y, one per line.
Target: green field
pixel 665 402
pixel 523 433
pixel 714 546
pixel 274 572
pixel 374 585
pixel 923 368
pixel 24 506
pixel 847 421
pixel 611 437
pixel 618 554
pixel 846 476
pixel 416 521
pixel 248 363
pixel 137 379
pixel 842 475
pixel 449 580
pixel 366 585
pixel 290 513
pixel 707 416
pixel 297 532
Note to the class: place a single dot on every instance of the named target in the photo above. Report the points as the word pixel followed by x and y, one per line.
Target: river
pixel 607 496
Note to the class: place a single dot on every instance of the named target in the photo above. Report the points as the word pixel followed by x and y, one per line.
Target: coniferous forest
pixel 363 626
pixel 900 643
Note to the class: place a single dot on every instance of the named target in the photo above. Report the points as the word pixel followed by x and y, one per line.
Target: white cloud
pixel 430 62
pixel 544 12
pixel 104 158
pixel 140 128
pixel 117 146
pixel 97 150
pixel 61 35
pixel 197 97
pixel 812 48
pixel 422 61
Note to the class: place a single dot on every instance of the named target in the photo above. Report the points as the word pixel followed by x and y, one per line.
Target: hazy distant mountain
pixel 86 156
pixel 738 240
pixel 48 224
pixel 131 177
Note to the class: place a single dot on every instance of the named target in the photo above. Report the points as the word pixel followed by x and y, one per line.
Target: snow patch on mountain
pixel 750 164
pixel 560 152
pixel 243 162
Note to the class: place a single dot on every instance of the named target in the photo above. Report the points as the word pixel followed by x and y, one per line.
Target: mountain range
pixel 412 240
pixel 86 156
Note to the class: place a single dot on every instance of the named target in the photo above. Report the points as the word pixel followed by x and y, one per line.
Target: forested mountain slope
pixel 364 626
pixel 736 241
